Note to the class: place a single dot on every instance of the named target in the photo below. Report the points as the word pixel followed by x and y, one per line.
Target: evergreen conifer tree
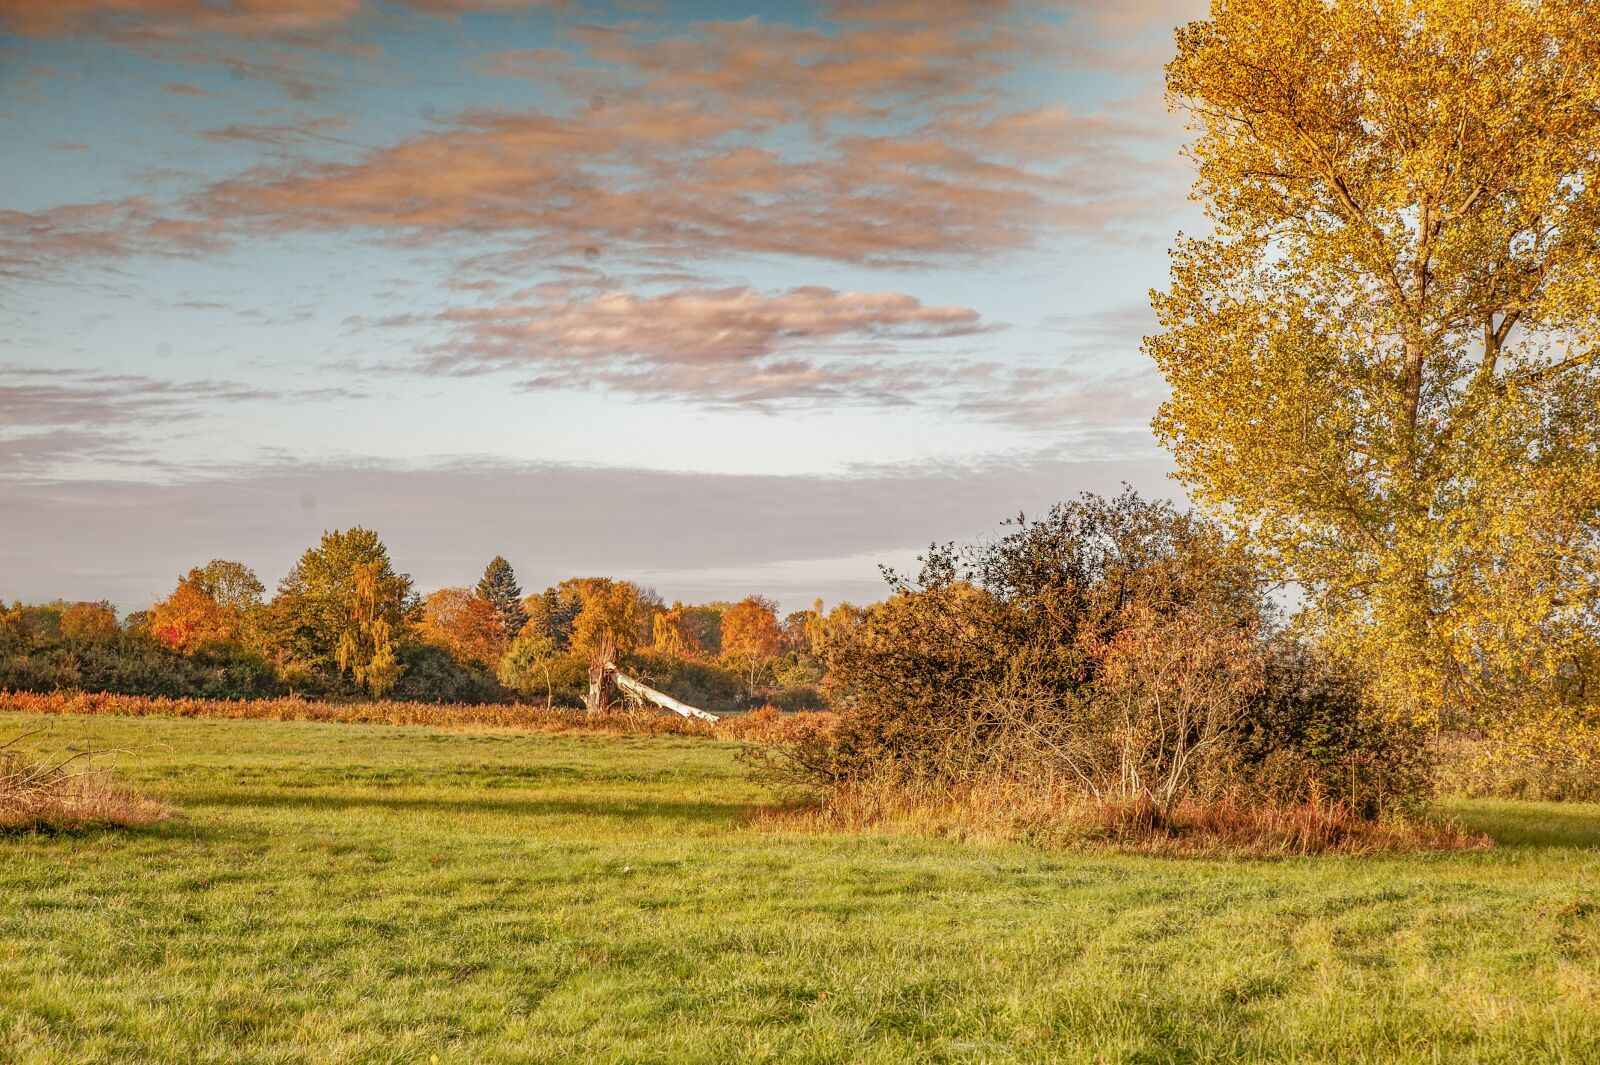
pixel 499 587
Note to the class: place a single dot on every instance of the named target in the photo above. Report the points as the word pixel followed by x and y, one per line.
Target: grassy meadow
pixel 347 892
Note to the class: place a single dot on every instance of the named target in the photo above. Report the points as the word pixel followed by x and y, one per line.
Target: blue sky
pixel 723 298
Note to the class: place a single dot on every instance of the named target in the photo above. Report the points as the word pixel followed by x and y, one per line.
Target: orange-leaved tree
pixel 215 605
pixel 465 624
pixel 751 638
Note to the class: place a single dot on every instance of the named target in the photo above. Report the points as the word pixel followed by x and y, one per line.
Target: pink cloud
pixel 736 347
pixel 700 326
pixel 713 346
pixel 254 19
pixel 868 144
pixel 876 139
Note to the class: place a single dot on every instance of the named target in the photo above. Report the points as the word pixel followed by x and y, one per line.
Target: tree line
pixel 344 623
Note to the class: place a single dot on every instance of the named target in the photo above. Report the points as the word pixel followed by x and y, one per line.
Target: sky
pixel 722 298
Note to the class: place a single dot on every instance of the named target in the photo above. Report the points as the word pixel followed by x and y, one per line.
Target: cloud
pixel 864 142
pixel 706 534
pixel 170 18
pixel 40 396
pixel 737 347
pixel 715 345
pixel 50 417
pixel 38 244
pixel 190 89
pixel 297 21
pixel 281 134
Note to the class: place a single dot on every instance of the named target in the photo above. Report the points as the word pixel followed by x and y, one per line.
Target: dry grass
pixel 1028 812
pixel 767 725
pixel 63 795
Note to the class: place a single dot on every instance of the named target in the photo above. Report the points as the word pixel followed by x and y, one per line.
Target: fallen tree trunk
pixel 642 692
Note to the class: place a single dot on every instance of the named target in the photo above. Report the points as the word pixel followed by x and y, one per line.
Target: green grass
pixel 372 893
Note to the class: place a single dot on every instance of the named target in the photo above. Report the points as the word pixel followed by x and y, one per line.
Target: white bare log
pixel 643 691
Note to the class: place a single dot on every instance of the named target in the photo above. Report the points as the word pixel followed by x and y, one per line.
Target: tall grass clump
pixel 1551 755
pixel 1109 672
pixel 66 794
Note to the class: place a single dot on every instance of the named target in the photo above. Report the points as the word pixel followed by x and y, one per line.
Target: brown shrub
pixel 56 795
pixel 770 725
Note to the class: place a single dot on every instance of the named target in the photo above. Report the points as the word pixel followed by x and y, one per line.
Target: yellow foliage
pixel 610 610
pixel 1381 360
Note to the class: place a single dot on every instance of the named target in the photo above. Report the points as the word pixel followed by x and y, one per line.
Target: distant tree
pixel 465 624
pixel 231 584
pixel 188 619
pixel 214 605
pixel 803 630
pixel 552 613
pixel 529 664
pixel 751 638
pixel 614 610
pixel 32 622
pixel 343 607
pixel 89 622
pixel 499 588
pixel 704 621
pixel 675 632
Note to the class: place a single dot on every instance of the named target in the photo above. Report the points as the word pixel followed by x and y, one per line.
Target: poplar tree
pixel 1382 357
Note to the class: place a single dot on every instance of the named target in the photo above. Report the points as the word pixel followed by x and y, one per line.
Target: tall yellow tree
pixel 613 615
pixel 751 638
pixel 1382 357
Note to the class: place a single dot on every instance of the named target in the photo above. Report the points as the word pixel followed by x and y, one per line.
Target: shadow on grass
pixel 1515 823
pixel 703 813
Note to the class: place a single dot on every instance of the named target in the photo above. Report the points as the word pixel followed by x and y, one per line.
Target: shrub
pixel 1115 656
pixel 432 674
pixel 1314 735
pixel 704 684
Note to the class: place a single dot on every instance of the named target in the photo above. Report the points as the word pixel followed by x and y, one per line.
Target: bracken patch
pixel 767 725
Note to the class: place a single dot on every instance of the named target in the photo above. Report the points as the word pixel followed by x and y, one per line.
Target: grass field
pixel 403 894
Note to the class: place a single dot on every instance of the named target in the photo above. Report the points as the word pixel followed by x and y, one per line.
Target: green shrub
pixel 432 675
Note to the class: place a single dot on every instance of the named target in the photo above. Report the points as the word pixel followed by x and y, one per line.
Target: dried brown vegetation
pixel 1110 672
pixel 762 726
pixel 1008 810
pixel 66 794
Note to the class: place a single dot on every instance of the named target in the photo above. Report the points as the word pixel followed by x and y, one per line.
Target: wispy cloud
pixel 50 417
pixel 731 345
pixel 869 142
